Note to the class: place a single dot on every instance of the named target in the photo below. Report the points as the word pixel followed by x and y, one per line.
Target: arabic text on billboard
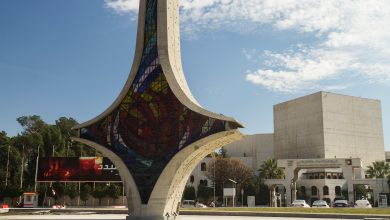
pixel 76 169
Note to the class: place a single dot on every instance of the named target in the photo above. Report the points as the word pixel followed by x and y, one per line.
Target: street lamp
pixel 215 202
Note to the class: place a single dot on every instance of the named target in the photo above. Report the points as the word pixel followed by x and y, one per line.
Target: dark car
pixel 340 204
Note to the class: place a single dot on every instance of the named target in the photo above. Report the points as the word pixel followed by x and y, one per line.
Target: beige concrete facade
pixel 329 125
pixel 252 150
pixel 387 156
pixel 323 130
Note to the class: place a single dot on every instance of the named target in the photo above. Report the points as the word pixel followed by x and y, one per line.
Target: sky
pixel 240 57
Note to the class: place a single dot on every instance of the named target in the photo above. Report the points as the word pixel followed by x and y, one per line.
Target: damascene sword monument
pixel 155 132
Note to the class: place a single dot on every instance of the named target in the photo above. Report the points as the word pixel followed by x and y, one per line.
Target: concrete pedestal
pixel 153 217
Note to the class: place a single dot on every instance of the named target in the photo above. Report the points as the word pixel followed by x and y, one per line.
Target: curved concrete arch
pixel 134 68
pixel 168 44
pixel 132 194
pixel 170 186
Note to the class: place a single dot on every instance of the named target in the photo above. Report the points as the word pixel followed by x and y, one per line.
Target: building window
pixel 334 176
pixel 322 176
pixel 303 190
pixel 337 190
pixel 326 191
pixel 328 176
pixel 313 191
pixel 203 166
pixel 192 179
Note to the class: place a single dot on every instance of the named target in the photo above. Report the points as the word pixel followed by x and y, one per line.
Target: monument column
pixel 156 132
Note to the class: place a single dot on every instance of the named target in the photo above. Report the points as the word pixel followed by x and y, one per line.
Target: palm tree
pixel 378 169
pixel 270 170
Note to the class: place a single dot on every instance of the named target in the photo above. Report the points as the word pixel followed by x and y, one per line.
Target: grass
pixel 373 211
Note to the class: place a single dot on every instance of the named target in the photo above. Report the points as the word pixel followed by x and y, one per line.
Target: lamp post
pixel 242 197
pixel 214 182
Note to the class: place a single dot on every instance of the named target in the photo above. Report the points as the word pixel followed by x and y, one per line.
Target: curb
pixel 286 214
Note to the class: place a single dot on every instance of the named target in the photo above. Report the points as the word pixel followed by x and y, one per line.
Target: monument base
pixel 153 217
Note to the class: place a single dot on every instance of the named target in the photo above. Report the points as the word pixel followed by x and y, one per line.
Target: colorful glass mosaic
pixel 150 125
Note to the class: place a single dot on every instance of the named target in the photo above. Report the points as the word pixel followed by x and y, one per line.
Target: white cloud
pixel 353 38
pixel 123 6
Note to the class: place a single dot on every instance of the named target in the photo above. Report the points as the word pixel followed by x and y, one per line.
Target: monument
pixel 155 132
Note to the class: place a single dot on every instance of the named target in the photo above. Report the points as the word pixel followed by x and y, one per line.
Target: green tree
pixel 301 193
pixel 71 190
pixel 270 170
pixel 189 193
pixel 99 193
pixel 378 169
pixel 11 192
pixel 31 124
pixel 228 168
pixel 204 193
pixel 14 166
pixel 4 145
pixel 59 190
pixel 360 192
pixel 113 191
pixel 249 190
pixel 222 152
pixel 85 193
pixel 262 197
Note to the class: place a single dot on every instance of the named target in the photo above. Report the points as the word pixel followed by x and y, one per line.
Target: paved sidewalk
pixel 123 211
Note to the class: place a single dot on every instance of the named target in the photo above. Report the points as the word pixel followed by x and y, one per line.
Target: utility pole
pixel 6 174
pixel 36 171
pixel 21 173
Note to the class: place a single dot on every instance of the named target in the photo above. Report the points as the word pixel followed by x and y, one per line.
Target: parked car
pixel 320 204
pixel 300 203
pixel 340 203
pixel 188 204
pixel 362 203
pixel 200 205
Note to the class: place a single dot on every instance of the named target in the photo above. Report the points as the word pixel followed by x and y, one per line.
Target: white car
pixel 300 204
pixel 200 205
pixel 320 204
pixel 362 203
pixel 188 204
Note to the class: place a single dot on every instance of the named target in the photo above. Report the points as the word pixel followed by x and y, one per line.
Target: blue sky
pixel 71 58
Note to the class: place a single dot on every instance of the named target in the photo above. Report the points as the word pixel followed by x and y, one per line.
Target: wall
pixel 353 128
pixel 257 147
pixel 298 128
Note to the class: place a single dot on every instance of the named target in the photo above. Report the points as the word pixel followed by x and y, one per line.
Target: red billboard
pixel 76 169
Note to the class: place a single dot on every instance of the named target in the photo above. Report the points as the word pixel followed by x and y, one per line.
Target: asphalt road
pixel 123 217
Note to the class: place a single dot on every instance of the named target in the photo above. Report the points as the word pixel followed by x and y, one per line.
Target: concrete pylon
pixel 155 132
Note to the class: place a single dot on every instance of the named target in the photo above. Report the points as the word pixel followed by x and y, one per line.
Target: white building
pixel 328 138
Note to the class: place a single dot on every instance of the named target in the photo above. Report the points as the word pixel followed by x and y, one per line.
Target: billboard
pixel 76 169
